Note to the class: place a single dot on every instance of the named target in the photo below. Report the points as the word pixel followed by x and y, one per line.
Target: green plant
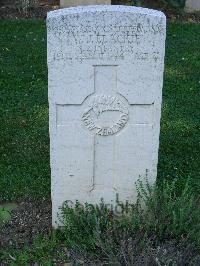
pixel 171 213
pixel 5 212
pixel 84 224
pixel 96 230
pixel 162 213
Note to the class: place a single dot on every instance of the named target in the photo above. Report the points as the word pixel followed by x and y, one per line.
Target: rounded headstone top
pixel 104 8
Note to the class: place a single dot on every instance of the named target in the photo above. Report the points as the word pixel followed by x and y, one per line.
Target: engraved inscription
pixel 92 41
pixel 106 115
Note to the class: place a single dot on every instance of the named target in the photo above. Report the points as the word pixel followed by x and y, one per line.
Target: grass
pixel 24 139
pixel 180 127
pixel 24 149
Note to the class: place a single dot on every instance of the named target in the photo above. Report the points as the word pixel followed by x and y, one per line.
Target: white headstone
pixel 105 66
pixel 70 3
pixel 192 6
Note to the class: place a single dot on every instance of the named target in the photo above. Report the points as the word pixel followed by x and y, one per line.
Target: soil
pixel 11 11
pixel 28 219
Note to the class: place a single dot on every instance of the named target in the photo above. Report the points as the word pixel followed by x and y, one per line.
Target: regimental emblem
pixel 106 115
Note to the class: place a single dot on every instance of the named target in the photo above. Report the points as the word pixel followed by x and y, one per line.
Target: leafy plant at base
pixel 169 213
pixel 161 214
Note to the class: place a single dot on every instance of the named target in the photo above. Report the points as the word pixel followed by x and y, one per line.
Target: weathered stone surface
pixel 105 68
pixel 192 6
pixel 71 3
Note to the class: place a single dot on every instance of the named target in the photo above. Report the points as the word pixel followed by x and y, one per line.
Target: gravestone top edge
pixel 104 8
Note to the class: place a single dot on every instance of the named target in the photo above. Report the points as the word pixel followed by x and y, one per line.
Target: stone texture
pixel 192 6
pixel 71 3
pixel 105 67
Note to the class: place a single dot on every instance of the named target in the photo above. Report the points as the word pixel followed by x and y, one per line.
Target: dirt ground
pixel 28 219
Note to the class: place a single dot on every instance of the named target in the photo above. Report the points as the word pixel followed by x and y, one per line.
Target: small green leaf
pixel 5 211
pixel 5 215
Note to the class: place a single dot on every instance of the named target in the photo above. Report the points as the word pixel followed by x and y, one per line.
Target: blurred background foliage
pixel 173 3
